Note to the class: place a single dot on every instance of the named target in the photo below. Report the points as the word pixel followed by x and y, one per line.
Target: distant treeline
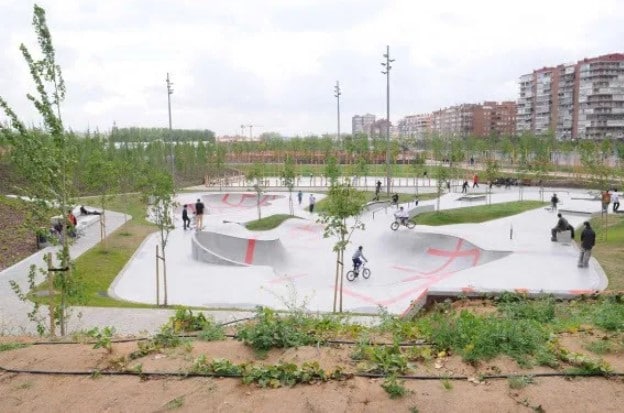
pixel 161 134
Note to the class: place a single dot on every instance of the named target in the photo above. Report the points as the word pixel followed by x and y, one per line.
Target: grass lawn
pixel 609 249
pixel 477 214
pixel 99 266
pixel 269 222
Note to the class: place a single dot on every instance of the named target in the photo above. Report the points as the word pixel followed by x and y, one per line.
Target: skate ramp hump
pixel 434 254
pixel 225 249
pixel 241 200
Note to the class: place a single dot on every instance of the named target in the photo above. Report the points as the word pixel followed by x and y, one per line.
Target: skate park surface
pixel 226 266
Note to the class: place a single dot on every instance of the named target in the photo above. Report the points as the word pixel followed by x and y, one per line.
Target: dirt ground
pixel 70 392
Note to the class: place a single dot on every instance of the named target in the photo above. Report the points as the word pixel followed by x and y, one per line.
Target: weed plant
pixel 166 338
pixel 477 337
pixel 270 330
pixel 394 387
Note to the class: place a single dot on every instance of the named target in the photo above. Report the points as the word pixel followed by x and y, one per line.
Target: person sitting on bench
pixel 562 225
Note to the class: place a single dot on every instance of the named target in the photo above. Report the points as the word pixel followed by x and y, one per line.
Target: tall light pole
pixel 386 72
pixel 337 94
pixel 169 93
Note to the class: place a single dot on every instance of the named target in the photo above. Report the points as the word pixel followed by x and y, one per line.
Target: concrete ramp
pixel 224 249
pixel 229 201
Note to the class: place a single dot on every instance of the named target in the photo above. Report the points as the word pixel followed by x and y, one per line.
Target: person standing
pixel 312 202
pixel 300 197
pixel 553 202
pixel 199 214
pixel 605 199
pixel 475 181
pixel 615 198
pixel 186 221
pixel 588 240
pixel 465 187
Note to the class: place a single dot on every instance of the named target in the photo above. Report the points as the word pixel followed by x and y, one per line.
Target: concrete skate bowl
pixel 434 254
pixel 218 203
pixel 224 249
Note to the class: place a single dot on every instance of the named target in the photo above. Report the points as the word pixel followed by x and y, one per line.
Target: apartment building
pixel 415 126
pixel 362 124
pixel 583 100
pixel 468 119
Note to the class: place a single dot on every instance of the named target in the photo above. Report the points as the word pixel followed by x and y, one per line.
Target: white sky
pixel 274 63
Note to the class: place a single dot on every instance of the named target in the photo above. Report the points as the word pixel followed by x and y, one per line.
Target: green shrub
pixel 270 330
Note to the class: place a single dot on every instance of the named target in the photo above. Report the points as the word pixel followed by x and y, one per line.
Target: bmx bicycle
pixel 353 274
pixel 397 223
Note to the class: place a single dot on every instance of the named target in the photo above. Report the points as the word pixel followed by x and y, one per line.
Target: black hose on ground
pixel 363 375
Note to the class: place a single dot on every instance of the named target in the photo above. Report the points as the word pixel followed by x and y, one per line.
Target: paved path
pixel 13 312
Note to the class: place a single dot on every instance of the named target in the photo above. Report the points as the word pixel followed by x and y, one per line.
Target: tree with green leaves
pixel 101 176
pixel 45 159
pixel 288 176
pixel 332 170
pixel 342 204
pixel 158 191
pixel 491 172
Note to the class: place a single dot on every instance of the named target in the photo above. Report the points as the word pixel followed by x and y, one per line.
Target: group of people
pixel 610 197
pixel 69 227
pixel 588 236
pixel 198 210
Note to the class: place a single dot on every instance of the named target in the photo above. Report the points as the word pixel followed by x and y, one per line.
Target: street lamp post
pixel 337 94
pixel 169 93
pixel 386 72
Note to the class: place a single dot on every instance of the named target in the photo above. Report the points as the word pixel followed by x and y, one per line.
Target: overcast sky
pixel 274 63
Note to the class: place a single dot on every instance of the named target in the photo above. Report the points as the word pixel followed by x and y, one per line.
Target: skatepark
pixel 226 266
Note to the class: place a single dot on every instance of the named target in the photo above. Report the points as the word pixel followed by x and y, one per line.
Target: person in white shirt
pixel 357 258
pixel 615 199
pixel 402 216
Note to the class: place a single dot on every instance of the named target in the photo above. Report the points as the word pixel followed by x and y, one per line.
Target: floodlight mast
pixel 386 72
pixel 169 93
pixel 337 94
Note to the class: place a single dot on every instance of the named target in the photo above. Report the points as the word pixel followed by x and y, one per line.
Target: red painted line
pixel 580 292
pixel 249 254
pixel 225 198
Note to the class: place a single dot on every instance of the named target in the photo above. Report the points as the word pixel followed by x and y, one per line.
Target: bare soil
pixel 60 392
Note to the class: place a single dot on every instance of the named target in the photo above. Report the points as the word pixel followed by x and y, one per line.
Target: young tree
pixel 343 202
pixel 491 172
pixel 158 189
pixel 288 175
pixel 102 177
pixel 44 157
pixel 332 170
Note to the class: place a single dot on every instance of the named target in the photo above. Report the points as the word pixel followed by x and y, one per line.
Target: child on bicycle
pixel 402 216
pixel 358 256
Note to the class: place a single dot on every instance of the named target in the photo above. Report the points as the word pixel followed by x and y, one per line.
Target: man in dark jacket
pixel 588 240
pixel 562 225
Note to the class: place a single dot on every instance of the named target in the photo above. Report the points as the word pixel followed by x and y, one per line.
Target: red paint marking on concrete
pixel 225 198
pixel 580 292
pixel 287 278
pixel 249 254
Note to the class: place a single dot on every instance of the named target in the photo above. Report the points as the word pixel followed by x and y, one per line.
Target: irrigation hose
pixel 362 375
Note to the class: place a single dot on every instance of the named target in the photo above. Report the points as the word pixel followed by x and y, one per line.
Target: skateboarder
pixel 199 215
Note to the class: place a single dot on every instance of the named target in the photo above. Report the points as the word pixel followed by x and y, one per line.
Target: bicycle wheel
pixel 394 226
pixel 410 225
pixel 366 273
pixel 350 275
